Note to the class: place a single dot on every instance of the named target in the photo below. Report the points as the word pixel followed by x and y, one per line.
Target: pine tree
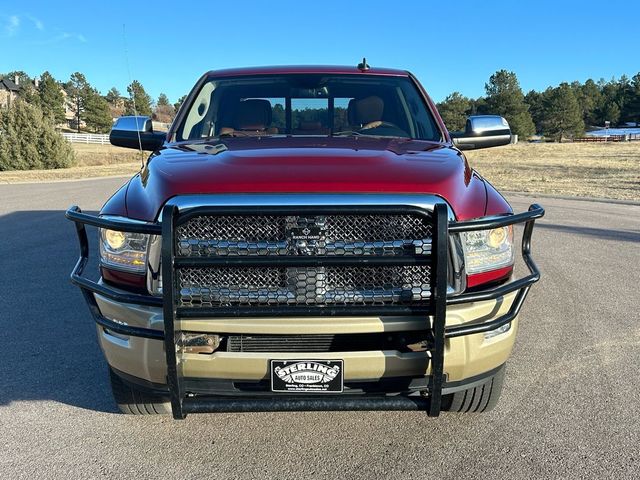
pixel 139 101
pixel 624 95
pixel 78 89
pixel 164 111
pixel 454 111
pixel 29 93
pixel 610 112
pixel 163 100
pixel 589 101
pixel 562 114
pixel 479 106
pixel 116 102
pixel 505 97
pixel 113 96
pixel 29 140
pixel 632 108
pixel 534 101
pixel 97 114
pixel 179 103
pixel 609 109
pixel 629 98
pixel 51 98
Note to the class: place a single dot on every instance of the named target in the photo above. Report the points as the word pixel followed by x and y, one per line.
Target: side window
pixel 310 116
pixel 422 124
pixel 228 111
pixel 340 118
pixel 278 117
pixel 194 123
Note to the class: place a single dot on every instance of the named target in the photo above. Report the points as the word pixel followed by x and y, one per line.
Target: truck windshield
pixel 308 105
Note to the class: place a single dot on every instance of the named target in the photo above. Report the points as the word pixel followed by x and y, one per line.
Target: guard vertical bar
pixel 169 214
pixel 439 304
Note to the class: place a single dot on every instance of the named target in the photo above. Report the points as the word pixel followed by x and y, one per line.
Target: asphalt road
pixel 570 407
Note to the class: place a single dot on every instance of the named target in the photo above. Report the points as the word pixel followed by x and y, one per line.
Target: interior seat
pixel 311 128
pixel 251 118
pixel 365 112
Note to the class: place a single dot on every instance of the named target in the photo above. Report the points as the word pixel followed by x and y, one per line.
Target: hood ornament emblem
pixel 305 234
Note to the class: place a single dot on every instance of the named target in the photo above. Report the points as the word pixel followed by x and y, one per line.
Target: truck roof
pixel 285 69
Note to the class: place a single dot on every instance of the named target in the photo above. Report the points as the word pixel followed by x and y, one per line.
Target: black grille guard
pixel 434 308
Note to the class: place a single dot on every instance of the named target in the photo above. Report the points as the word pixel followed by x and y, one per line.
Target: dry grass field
pixel 92 160
pixel 602 170
pixel 89 155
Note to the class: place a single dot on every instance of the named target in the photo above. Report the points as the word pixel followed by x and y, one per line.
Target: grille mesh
pixel 311 235
pixel 256 286
pixel 271 235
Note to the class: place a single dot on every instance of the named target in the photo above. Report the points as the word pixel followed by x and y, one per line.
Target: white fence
pixel 102 139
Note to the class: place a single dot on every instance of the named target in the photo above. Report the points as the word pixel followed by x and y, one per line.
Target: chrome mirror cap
pixel 132 123
pixel 483 131
pixel 136 132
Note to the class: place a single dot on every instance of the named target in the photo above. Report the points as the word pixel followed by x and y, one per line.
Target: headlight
pixel 486 250
pixel 123 250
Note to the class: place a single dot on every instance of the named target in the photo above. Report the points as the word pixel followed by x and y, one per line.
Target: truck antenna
pixel 133 96
pixel 364 65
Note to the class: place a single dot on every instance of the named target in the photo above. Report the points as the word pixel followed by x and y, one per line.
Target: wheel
pixel 134 401
pixel 481 398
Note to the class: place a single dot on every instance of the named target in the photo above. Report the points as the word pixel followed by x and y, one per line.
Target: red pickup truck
pixel 306 238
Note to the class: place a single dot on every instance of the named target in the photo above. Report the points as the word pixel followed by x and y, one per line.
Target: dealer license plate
pixel 308 376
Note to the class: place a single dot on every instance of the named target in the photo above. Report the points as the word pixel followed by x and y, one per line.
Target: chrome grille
pixel 263 286
pixel 357 342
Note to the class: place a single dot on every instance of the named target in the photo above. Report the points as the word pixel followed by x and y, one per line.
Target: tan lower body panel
pixel 255 366
pixel 465 356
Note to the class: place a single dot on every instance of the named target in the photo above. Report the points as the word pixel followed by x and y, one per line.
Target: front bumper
pixel 137 332
pixel 465 356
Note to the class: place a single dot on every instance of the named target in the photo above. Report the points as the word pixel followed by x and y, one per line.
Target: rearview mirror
pixel 136 132
pixel 482 131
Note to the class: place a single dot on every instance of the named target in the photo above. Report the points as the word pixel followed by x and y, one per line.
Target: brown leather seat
pixel 365 112
pixel 251 117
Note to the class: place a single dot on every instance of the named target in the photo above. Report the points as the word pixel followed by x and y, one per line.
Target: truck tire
pixel 134 401
pixel 481 398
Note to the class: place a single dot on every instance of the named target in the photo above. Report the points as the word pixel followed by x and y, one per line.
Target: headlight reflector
pixel 486 250
pixel 114 239
pixel 123 250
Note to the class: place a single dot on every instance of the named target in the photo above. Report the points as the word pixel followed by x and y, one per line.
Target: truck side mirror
pixel 136 132
pixel 482 131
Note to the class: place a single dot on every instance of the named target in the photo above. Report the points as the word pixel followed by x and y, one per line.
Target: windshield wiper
pixel 349 133
pixel 241 134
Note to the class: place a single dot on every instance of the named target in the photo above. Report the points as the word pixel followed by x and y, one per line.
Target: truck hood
pixel 304 165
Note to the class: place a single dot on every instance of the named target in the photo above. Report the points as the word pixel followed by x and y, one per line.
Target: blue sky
pixel 448 45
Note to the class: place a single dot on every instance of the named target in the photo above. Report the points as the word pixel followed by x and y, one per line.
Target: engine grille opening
pixel 332 235
pixel 401 341
pixel 255 286
pixel 254 235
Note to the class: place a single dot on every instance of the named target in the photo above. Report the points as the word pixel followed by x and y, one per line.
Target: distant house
pixel 8 91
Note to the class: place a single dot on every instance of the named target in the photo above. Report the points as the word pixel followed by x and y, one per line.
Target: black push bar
pixel 89 287
pixel 434 309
